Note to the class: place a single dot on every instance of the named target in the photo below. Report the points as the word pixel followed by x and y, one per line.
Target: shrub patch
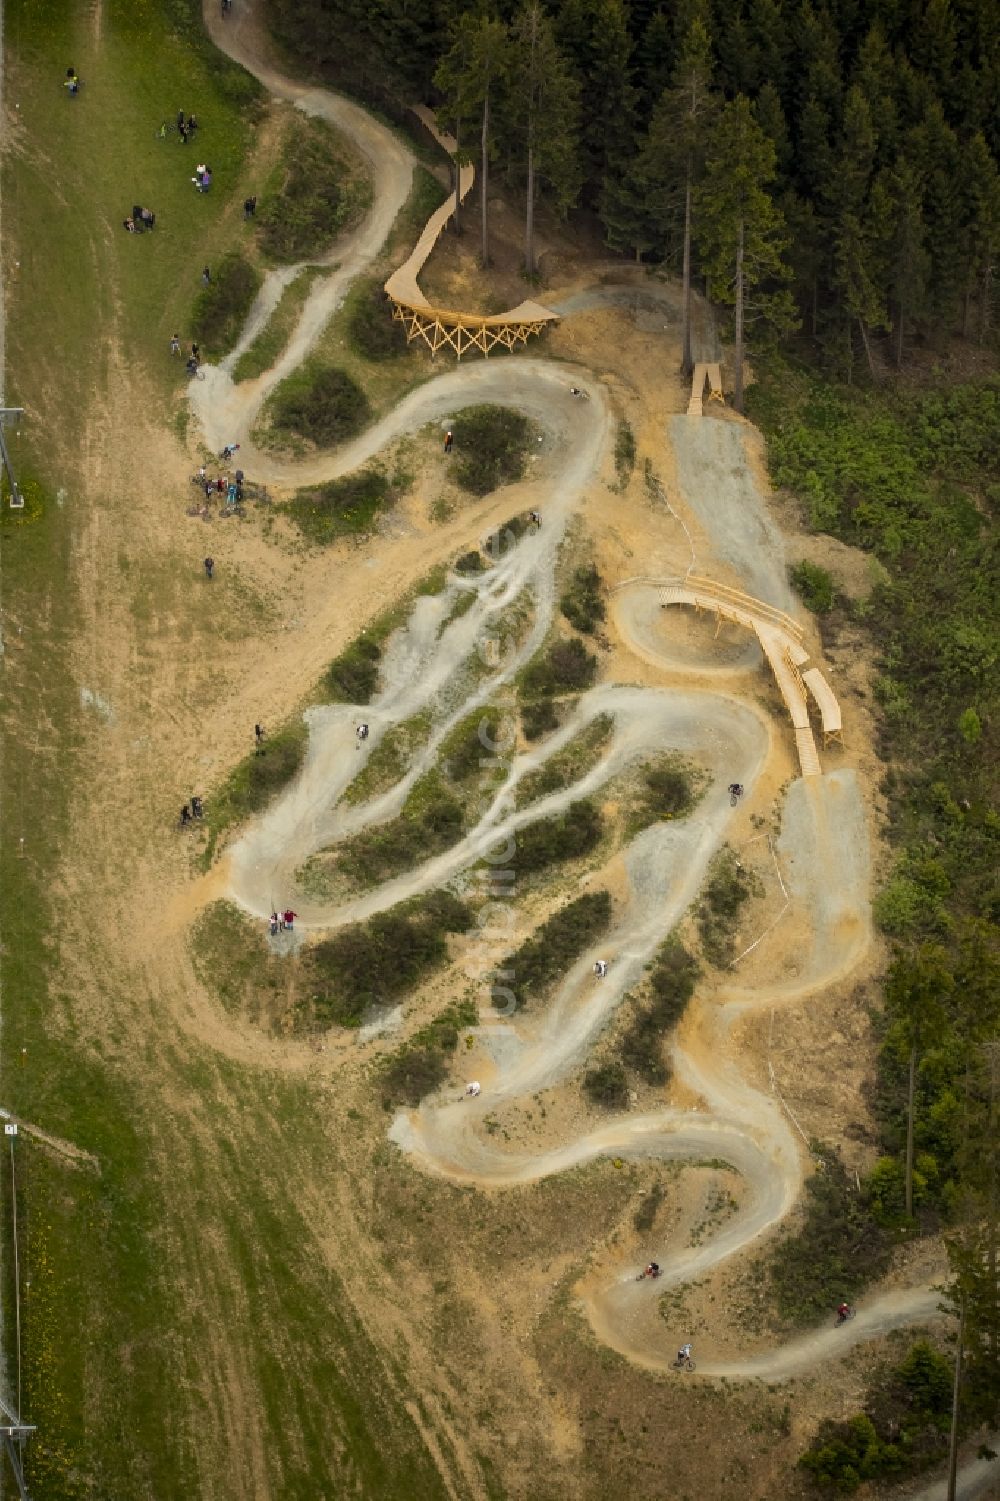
pixel 491 447
pixel 320 403
pixel 375 962
pixel 545 957
pixel 221 308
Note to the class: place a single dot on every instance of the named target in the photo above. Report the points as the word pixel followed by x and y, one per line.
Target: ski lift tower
pixel 10 417
pixel 13 1433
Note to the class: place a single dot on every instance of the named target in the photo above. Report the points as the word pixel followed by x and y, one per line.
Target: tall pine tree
pixel 544 100
pixel 672 160
pixel 741 234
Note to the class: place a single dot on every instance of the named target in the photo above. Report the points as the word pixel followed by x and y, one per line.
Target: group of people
pixel 222 484
pixel 194 809
pixel 281 922
pixel 139 219
pixel 185 128
pixel 202 178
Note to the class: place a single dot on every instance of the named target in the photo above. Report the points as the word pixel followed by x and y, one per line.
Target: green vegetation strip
pixel 389 759
pixel 422 1065
pixel 379 961
pixel 342 507
pixel 665 994
pixel 221 308
pixel 568 765
pixel 252 784
pixel 728 887
pixel 273 337
pixel 431 821
pixel 536 966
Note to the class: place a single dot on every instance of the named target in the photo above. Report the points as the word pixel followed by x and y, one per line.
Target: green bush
pixel 319 403
pixel 885 1188
pixel 352 677
pixel 470 562
pixel 533 968
pixel 342 507
pixel 813 584
pixel 377 961
pixel 315 199
pixel 420 1067
pixel 221 308
pixel 607 1086
pixel 491 447
pixel 563 667
pixel 538 718
pixel 670 986
pixel 668 792
pixel 837 1251
pixel 581 603
pixel 729 886
pixel 467 746
pixel 565 836
pixel 372 331
pixel 431 821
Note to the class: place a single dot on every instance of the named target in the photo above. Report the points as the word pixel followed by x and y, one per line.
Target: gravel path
pixel 822 845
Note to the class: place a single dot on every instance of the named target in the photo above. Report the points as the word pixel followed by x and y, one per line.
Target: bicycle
pixel 687 1364
pixel 196 372
pixel 845 1318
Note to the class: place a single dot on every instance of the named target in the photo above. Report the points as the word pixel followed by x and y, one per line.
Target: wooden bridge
pixel 444 327
pixel 780 638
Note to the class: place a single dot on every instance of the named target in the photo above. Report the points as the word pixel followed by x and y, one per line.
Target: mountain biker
pixel 653 1270
pixel 683 1354
pixel 843 1312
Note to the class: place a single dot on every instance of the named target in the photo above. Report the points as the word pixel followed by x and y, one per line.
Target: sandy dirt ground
pixel 158 719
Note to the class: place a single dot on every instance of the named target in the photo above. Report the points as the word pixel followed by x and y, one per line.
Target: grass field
pixel 186 1269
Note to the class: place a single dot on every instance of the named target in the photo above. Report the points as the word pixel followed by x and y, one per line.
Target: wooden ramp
pixel 829 708
pixel 704 374
pixel 445 327
pixel 781 641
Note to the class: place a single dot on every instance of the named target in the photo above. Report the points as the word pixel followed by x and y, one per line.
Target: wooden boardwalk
pixel 446 328
pixel 780 638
